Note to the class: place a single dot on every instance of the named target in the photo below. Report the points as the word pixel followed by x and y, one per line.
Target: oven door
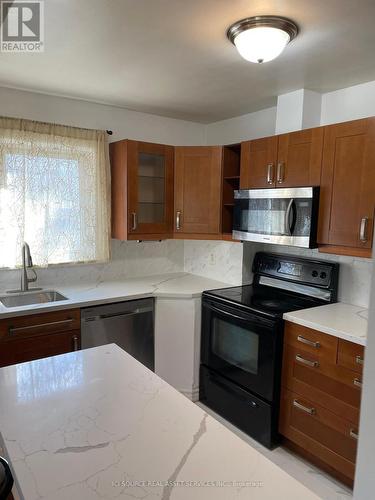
pixel 243 347
pixel 281 216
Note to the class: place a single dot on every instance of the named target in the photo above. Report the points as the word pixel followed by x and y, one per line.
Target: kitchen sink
pixel 29 298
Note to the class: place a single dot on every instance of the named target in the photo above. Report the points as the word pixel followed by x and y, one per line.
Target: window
pixel 54 193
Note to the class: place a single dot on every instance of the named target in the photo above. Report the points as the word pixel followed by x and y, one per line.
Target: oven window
pixel 236 345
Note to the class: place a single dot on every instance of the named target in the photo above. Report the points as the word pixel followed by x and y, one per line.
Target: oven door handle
pixel 226 313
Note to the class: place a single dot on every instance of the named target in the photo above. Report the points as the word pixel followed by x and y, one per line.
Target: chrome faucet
pixel 27 263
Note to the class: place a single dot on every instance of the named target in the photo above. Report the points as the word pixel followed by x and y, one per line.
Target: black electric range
pixel 242 338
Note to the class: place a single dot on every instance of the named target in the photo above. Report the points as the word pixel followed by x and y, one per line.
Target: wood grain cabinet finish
pixel 36 336
pixel 198 178
pixel 321 395
pixel 287 160
pixel 347 198
pixel 142 190
pixel 299 158
pixel 258 163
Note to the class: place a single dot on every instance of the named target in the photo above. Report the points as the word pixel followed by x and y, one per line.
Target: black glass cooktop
pixel 263 299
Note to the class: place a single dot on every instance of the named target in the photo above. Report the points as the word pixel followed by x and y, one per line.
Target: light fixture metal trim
pixel 282 23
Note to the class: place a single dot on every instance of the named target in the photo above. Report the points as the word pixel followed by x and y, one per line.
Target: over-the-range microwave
pixel 285 216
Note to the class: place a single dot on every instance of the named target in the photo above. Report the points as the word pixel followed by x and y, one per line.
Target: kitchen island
pixel 97 424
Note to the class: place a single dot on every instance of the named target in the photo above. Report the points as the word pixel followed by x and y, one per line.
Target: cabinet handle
pixel 134 221
pixel 270 173
pixel 75 343
pixel 310 411
pixel 307 362
pixel 28 328
pixel 353 434
pixel 363 229
pixel 359 360
pixel 280 172
pixel 357 383
pixel 178 220
pixel 311 343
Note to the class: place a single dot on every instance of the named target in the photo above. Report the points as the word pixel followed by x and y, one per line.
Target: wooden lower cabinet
pixel 26 338
pixel 320 400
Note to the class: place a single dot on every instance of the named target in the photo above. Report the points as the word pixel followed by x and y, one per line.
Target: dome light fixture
pixel 262 38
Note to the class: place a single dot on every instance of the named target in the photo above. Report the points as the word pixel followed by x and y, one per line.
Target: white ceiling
pixel 172 57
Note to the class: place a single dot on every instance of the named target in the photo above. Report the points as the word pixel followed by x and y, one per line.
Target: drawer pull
pixel 357 383
pixel 311 343
pixel 75 343
pixel 307 362
pixel 359 360
pixel 32 327
pixel 353 434
pixel 310 411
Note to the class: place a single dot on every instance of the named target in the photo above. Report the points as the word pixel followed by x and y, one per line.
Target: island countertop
pixel 97 424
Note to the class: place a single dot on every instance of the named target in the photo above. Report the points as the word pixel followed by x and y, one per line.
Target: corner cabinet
pixel 346 216
pixel 287 160
pixel 198 178
pixel 142 190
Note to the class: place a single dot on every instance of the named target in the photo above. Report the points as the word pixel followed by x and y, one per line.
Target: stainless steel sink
pixel 29 298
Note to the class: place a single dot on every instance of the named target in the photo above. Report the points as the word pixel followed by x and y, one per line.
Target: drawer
pixel 28 349
pixel 38 324
pixel 322 346
pixel 350 355
pixel 329 437
pixel 331 386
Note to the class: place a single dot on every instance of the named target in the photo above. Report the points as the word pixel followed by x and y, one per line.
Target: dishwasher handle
pixel 134 312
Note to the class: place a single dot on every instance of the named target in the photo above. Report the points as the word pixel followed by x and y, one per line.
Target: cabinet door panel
pixel 300 158
pixel 150 188
pixel 348 184
pixel 198 189
pixel 258 163
pixel 42 346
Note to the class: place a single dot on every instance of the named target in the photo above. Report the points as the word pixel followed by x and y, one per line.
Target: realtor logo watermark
pixel 22 26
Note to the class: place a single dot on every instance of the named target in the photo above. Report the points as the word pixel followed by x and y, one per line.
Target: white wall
pixel 242 128
pixel 124 123
pixel 364 485
pixel 347 104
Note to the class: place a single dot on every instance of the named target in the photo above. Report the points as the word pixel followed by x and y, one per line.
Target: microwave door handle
pixel 288 227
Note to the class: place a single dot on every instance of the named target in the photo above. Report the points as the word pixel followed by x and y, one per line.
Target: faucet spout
pixel 27 262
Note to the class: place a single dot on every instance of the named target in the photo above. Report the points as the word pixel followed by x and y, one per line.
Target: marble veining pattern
pixel 119 431
pixel 174 285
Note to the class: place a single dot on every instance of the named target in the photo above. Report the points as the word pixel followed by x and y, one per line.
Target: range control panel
pixel 292 268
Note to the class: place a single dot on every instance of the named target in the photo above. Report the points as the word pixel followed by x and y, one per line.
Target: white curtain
pixel 54 193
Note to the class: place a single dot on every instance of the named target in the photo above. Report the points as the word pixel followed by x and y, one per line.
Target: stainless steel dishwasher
pixel 129 324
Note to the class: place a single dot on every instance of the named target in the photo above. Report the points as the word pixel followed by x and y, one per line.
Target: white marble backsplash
pixel 354 278
pixel 129 259
pixel 219 260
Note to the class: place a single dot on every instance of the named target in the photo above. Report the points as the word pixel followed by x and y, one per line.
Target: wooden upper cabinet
pixel 258 163
pixel 142 190
pixel 347 199
pixel 198 180
pixel 299 158
pixel 287 160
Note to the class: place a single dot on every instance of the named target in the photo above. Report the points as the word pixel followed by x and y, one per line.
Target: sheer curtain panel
pixel 54 193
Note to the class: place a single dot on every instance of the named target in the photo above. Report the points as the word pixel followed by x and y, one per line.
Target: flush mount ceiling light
pixel 262 38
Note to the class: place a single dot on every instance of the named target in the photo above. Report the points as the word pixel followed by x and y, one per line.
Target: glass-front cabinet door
pixel 150 189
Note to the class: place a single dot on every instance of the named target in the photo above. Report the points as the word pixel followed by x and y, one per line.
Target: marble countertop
pixel 97 424
pixel 178 285
pixel 344 321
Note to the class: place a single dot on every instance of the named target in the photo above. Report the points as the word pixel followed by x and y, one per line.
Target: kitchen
pixel 237 267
